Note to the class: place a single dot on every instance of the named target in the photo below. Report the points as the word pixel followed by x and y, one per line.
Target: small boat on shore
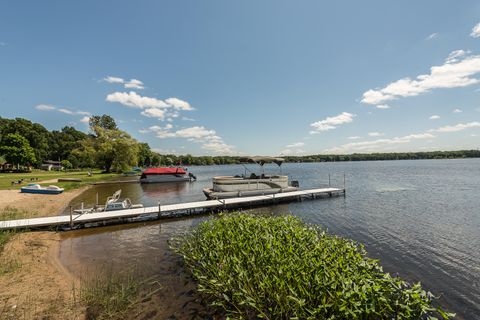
pixel 36 188
pixel 113 203
pixel 252 185
pixel 166 174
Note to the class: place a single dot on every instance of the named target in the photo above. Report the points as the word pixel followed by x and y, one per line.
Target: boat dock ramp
pixel 74 221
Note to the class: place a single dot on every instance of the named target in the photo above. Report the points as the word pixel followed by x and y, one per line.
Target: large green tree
pixel 16 150
pixel 35 133
pixel 105 122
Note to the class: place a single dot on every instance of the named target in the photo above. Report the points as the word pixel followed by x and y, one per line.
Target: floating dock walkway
pixel 74 221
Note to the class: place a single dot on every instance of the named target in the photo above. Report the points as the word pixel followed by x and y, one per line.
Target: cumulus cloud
pixel 457 71
pixel 45 107
pixel 154 113
pixel 208 138
pixel 475 31
pixel 179 104
pixel 133 99
pixel 383 106
pixel 434 117
pixel 375 134
pixel 457 127
pixel 154 108
pixel 131 84
pixel 457 110
pixel 331 122
pixel 375 145
pixel 134 84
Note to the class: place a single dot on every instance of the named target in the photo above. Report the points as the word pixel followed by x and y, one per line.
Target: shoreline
pixel 37 285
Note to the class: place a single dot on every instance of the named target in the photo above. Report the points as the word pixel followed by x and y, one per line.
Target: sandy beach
pixel 37 286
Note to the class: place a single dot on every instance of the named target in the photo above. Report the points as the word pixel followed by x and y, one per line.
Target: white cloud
pixel 179 104
pixel 379 144
pixel 296 145
pixel 187 119
pixel 65 111
pixel 375 134
pixel 111 79
pixel 131 84
pixel 432 36
pixel 476 31
pixel 354 138
pixel 455 55
pixel 454 73
pixel 71 112
pixel 457 127
pixel 208 138
pixel 434 117
pixel 293 148
pixel 331 122
pixel 85 119
pixel 45 107
pixel 383 106
pixel 195 133
pixel 133 99
pixel 154 113
pixel 134 84
pixel 457 111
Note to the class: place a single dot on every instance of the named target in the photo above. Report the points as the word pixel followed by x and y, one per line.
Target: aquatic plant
pixel 281 268
pixel 109 294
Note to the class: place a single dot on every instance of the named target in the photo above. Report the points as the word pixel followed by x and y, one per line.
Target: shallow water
pixel 420 218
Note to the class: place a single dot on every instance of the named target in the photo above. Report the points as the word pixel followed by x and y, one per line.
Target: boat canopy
pixel 262 160
pixel 164 170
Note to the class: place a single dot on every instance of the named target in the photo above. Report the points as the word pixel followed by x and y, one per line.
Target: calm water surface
pixel 420 218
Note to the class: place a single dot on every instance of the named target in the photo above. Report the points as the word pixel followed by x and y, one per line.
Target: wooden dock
pixel 73 221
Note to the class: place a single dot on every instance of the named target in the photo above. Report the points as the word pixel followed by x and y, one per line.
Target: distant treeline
pixel 386 156
pixel 27 144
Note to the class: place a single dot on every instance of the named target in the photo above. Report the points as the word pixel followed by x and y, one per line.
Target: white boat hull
pixel 211 194
pixel 230 187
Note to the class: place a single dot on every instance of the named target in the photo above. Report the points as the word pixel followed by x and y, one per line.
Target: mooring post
pixel 344 184
pixel 159 210
pixel 329 179
pixel 71 217
pixel 96 200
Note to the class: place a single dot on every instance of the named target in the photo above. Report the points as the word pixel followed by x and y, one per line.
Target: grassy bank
pixel 39 176
pixel 281 268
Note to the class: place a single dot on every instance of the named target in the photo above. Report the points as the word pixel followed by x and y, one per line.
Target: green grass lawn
pixel 7 178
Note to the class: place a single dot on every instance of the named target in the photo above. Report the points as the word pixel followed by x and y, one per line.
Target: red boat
pixel 166 174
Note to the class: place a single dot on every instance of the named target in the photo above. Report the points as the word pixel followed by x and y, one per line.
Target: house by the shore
pixel 49 165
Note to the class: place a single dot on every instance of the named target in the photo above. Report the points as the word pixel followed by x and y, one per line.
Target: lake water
pixel 420 218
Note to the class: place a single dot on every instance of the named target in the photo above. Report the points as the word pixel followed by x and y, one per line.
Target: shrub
pixel 281 268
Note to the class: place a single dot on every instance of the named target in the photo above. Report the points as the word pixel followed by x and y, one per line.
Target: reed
pixel 281 268
pixel 110 294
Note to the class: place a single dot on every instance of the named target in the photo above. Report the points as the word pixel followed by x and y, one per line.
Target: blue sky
pixel 250 77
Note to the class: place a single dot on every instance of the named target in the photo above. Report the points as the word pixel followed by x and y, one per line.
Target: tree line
pixel 27 144
pixel 24 143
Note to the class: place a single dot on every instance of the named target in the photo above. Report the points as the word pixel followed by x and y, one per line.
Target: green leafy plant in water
pixel 281 268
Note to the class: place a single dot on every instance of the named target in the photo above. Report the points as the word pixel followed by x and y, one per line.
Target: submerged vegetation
pixel 281 268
